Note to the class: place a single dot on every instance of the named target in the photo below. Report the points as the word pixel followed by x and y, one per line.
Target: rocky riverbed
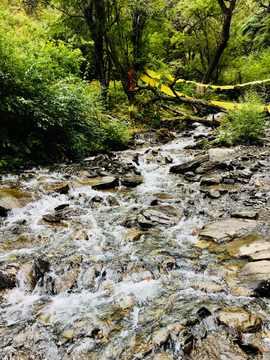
pixel 159 252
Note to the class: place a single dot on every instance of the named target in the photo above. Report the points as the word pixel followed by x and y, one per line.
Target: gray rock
pixel 217 154
pixel 211 180
pixel 189 165
pixel 132 181
pixel 226 230
pixel 163 214
pixel 214 194
pixel 245 214
pixel 66 281
pixel 104 182
pixel 216 347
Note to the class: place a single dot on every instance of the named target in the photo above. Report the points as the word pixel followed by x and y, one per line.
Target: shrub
pixel 245 125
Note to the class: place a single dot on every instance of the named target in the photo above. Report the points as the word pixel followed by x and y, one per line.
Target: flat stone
pixel 211 180
pixel 260 255
pixel 12 199
pixel 162 355
pixel 189 165
pixel 245 214
pixel 226 230
pixel 65 281
pixel 247 245
pixel 208 287
pixel 163 214
pixel 103 182
pixel 160 336
pixel 263 182
pixel 133 236
pixel 251 279
pixel 216 347
pixel 22 242
pixel 217 154
pixel 214 194
pixel 26 277
pixel 211 165
pixel 68 334
pixel 132 181
pixel 240 320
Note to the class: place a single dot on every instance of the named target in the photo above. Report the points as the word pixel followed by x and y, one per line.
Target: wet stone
pixel 189 165
pixel 104 182
pixel 162 355
pixel 240 320
pixel 160 336
pixel 7 281
pixel 247 245
pixel 66 281
pixel 216 346
pixel 132 181
pixel 133 236
pixel 163 214
pixel 226 230
pixel 211 180
pixel 245 214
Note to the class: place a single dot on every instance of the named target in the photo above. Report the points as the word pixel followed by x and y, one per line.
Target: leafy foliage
pixel 47 112
pixel 246 125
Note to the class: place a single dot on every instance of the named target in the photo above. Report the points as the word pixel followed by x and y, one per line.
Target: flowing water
pixel 112 289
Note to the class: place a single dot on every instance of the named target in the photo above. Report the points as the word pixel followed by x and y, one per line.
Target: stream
pixel 97 268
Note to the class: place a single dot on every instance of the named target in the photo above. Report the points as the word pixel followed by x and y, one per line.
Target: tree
pixel 225 35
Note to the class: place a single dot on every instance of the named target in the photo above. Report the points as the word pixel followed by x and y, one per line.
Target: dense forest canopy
pixel 67 67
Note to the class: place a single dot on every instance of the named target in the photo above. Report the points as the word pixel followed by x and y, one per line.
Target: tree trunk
pixel 228 13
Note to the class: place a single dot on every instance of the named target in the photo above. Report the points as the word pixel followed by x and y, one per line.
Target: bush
pixel 245 125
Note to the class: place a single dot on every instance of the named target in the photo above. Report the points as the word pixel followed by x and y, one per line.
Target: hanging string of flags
pixel 165 89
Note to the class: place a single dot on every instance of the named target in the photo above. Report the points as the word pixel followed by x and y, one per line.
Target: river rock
pixel 41 267
pixel 245 214
pixel 251 279
pixel 112 201
pixel 162 355
pixel 22 242
pixel 63 189
pixel 68 334
pixel 137 275
pixel 160 336
pixel 215 347
pixel 165 215
pixel 226 230
pixel 189 165
pixel 211 165
pixel 219 154
pixel 66 281
pixel 7 281
pixel 131 181
pixel 260 255
pixel 103 182
pixel 208 287
pixel 211 180
pixel 133 236
pixel 263 182
pixel 240 320
pixel 247 245
pixel 88 278
pixel 26 276
pixel 12 199
pixel 214 194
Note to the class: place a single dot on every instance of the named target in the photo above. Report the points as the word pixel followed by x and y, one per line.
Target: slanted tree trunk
pixel 228 13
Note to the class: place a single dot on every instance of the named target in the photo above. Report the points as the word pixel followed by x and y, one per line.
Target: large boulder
pixel 226 230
